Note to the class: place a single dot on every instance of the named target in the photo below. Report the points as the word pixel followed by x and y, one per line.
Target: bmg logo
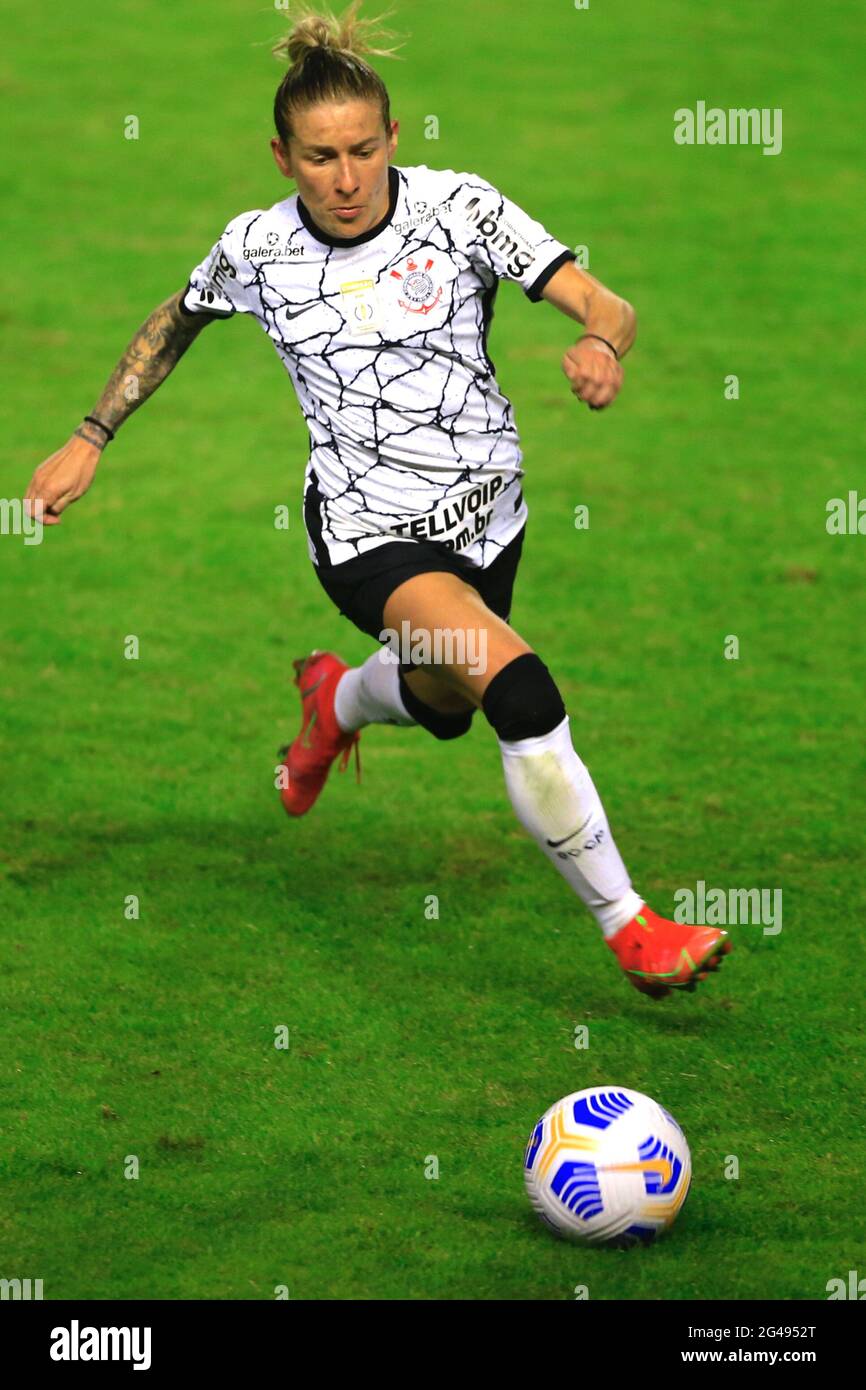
pixel 518 260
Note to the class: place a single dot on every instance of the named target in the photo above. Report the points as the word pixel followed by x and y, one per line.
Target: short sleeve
pixel 506 240
pixel 217 285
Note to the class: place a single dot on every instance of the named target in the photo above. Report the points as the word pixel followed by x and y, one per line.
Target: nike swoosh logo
pixel 305 310
pixel 662 1166
pixel 310 688
pixel 554 844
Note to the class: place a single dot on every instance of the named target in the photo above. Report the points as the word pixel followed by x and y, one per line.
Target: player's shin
pixel 370 694
pixel 551 790
pixel 556 801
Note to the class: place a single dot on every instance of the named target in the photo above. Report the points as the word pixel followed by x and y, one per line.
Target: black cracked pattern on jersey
pixel 432 379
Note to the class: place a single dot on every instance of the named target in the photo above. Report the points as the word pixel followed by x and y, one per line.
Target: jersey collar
pixel 328 240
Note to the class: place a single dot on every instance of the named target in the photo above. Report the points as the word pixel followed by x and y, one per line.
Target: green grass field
pixel 412 1037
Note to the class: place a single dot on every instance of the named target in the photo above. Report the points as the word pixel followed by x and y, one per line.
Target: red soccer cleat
pixel 658 955
pixel 308 760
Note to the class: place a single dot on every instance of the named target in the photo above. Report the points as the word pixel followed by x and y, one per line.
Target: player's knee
pixel 522 700
pixel 440 725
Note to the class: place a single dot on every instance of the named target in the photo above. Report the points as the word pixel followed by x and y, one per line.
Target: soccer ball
pixel 607 1166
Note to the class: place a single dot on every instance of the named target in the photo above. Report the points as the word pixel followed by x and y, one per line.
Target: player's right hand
pixel 594 372
pixel 62 478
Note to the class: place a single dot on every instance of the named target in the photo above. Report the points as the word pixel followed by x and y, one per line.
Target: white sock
pixel 554 798
pixel 370 694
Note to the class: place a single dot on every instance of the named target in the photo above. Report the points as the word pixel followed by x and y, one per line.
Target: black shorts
pixel 361 587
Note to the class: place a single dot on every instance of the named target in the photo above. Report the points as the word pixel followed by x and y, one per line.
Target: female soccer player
pixel 376 284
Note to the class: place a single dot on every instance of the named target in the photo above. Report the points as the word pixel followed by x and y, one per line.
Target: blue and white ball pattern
pixel 607 1166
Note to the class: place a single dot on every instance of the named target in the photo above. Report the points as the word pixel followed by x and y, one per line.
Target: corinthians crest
pixel 419 290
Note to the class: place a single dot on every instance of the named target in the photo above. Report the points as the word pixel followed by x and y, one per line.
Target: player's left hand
pixel 594 373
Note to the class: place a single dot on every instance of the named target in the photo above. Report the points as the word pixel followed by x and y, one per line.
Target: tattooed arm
pixel 154 352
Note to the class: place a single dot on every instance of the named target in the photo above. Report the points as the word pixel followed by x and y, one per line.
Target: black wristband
pixel 92 420
pixel 601 340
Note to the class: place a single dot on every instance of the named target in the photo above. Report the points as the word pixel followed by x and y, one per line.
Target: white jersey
pixel 385 338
